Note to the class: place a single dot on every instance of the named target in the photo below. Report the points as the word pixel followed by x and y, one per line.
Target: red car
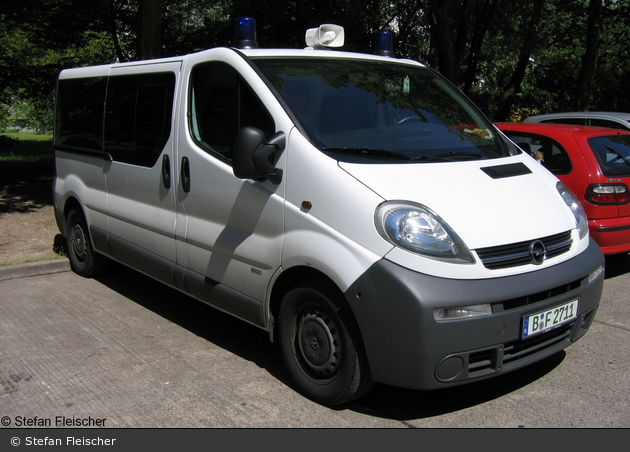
pixel 594 162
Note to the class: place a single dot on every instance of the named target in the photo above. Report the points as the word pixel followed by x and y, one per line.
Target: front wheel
pixel 83 260
pixel 322 346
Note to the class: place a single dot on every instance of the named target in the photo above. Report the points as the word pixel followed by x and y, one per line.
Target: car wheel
pixel 83 260
pixel 322 346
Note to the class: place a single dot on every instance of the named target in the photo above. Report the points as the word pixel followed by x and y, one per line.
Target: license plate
pixel 549 319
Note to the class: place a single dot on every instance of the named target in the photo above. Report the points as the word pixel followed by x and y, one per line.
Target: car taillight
pixel 608 194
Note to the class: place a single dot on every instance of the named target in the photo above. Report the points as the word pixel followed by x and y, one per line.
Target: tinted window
pixel 613 154
pixel 576 121
pixel 361 110
pixel 79 115
pixel 221 104
pixel 138 117
pixel 607 123
pixel 547 151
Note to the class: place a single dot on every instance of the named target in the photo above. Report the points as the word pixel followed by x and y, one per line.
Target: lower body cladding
pixel 407 347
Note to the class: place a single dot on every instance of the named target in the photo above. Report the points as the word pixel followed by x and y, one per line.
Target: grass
pixel 29 158
pixel 35 258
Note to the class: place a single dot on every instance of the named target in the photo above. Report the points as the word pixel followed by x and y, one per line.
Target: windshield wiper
pixel 368 152
pixel 452 156
pixel 617 153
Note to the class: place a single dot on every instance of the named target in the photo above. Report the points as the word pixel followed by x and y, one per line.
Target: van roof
pixel 103 70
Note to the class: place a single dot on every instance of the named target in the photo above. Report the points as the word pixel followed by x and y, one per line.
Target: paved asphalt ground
pixel 125 351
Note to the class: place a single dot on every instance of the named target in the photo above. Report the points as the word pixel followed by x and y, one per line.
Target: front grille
pixel 482 363
pixel 532 298
pixel 490 361
pixel 522 349
pixel 516 254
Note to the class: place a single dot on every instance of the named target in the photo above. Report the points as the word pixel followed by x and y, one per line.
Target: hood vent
pixel 502 171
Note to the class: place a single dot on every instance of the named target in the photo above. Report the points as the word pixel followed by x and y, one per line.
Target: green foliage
pixel 29 158
pixel 486 41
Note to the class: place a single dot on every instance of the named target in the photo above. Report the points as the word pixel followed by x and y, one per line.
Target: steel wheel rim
pixel 79 247
pixel 319 343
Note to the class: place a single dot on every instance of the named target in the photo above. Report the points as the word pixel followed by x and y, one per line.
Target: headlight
pixel 575 205
pixel 417 229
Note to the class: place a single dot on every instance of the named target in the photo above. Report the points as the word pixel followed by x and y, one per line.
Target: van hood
pixel 487 203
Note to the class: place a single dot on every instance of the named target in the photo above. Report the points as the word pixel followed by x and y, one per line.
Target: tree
pixel 530 42
pixel 150 29
pixel 591 56
pixel 580 51
pixel 483 21
pixel 612 78
pixel 448 20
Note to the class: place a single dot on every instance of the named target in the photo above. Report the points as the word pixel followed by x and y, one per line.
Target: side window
pixel 222 103
pixel 606 123
pixel 79 115
pixel 549 152
pixel 138 117
pixel 576 121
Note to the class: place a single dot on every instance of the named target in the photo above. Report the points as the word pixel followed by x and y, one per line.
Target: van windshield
pixel 381 111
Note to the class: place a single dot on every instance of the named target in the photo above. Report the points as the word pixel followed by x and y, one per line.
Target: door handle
pixel 166 172
pixel 185 174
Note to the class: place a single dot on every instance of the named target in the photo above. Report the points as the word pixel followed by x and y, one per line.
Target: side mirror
pixel 252 154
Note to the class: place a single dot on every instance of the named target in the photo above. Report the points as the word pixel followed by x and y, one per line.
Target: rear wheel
pixel 322 346
pixel 83 260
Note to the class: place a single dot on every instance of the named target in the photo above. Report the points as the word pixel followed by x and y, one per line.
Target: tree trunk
pixel 150 29
pixel 449 34
pixel 443 40
pixel 591 56
pixel 479 33
pixel 111 27
pixel 514 86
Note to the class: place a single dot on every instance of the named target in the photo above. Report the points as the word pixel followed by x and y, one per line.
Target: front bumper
pixel 407 347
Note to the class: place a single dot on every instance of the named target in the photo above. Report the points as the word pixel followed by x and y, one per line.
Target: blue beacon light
pixel 245 36
pixel 384 43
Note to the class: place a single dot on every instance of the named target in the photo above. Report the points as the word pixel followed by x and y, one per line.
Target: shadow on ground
pixel 252 344
pixel 24 198
pixel 617 265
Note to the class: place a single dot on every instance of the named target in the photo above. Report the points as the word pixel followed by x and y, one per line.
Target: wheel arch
pixel 294 277
pixel 71 203
pixel 353 378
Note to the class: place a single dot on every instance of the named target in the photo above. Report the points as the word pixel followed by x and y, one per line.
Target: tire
pixel 321 345
pixel 83 260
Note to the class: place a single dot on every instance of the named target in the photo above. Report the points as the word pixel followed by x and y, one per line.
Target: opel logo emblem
pixel 537 252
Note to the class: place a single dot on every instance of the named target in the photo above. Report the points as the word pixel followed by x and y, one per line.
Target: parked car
pixel 594 163
pixel 614 120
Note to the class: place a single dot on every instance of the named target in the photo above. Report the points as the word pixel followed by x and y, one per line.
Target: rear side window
pixel 127 116
pixel 575 121
pixel 79 113
pixel 549 152
pixel 607 123
pixel 138 117
pixel 613 154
